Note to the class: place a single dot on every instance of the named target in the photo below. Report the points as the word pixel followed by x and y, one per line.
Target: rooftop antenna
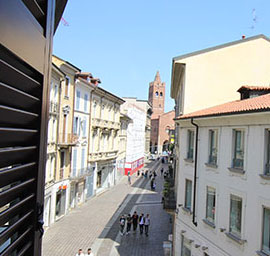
pixel 254 18
pixel 64 22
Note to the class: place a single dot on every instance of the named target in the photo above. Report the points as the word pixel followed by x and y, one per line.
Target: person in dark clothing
pixel 141 222
pixel 129 221
pixel 161 171
pixel 135 219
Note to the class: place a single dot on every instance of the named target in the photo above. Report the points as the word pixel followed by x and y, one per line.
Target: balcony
pixel 67 139
pixel 78 173
pixel 103 155
pixel 97 122
pixel 53 108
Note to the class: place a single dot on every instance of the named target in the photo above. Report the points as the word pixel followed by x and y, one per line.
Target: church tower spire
pixel 157 77
pixel 156 96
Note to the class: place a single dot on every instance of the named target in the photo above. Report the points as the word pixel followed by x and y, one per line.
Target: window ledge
pixel 235 238
pixel 260 253
pixel 189 160
pixel 266 177
pixel 236 170
pixel 207 222
pixel 187 210
pixel 211 165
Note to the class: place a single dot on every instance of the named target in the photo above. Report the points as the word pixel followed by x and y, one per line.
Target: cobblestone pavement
pixel 96 223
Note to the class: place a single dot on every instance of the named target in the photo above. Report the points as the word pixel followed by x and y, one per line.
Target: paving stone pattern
pixel 96 223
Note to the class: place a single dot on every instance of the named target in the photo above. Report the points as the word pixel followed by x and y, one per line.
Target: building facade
pixel 66 138
pixel 223 204
pixel 57 78
pixel 144 104
pixel 125 120
pixel 81 182
pixel 212 76
pixel 161 122
pixel 104 140
pixel 136 134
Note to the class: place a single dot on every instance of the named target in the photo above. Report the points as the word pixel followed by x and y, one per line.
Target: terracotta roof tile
pixel 254 88
pixel 260 103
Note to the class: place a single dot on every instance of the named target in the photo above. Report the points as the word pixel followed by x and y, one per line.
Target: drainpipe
pixel 195 173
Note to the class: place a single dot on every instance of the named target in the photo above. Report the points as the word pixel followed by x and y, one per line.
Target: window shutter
pixel 24 80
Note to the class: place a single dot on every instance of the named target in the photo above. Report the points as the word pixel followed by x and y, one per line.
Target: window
pixel 188 192
pixel 267 152
pixel 185 247
pixel 93 143
pixel 161 94
pixel 85 102
pixel 94 109
pixel 190 144
pixel 235 215
pixel 210 204
pixel 212 147
pixel 82 160
pixel 84 127
pixel 67 86
pixel 238 154
pixel 266 231
pixel 78 95
pixel 156 93
pixel 74 162
pixel 75 125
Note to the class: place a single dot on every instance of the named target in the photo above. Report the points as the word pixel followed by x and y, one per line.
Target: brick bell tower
pixel 156 96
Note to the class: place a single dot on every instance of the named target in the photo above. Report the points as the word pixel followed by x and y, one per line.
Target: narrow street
pixel 96 223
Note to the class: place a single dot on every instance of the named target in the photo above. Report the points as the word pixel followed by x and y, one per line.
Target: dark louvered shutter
pixel 26 28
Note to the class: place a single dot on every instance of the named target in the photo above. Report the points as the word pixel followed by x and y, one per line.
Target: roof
pixel 253 88
pixel 257 104
pixel 221 46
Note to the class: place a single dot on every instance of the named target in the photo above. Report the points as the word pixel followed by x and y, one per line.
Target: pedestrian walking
pixel 80 253
pixel 152 183
pixel 122 222
pixel 89 252
pixel 135 218
pixel 129 179
pixel 141 222
pixel 146 224
pixel 129 221
pixel 161 171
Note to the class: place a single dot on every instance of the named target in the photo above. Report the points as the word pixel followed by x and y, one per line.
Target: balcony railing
pixel 101 155
pixel 53 108
pixel 67 139
pixel 97 122
pixel 77 173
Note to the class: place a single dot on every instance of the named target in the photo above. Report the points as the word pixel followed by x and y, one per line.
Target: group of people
pixel 134 221
pixel 89 252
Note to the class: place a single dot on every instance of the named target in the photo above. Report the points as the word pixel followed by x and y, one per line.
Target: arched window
pixel 156 93
pixel 161 94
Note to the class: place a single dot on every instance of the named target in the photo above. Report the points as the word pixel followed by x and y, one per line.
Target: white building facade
pixel 104 139
pixel 135 135
pixel 223 199
pixel 79 176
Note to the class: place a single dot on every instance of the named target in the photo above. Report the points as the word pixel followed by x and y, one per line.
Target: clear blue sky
pixel 125 42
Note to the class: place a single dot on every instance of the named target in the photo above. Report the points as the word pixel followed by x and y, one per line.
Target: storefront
pixel 60 205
